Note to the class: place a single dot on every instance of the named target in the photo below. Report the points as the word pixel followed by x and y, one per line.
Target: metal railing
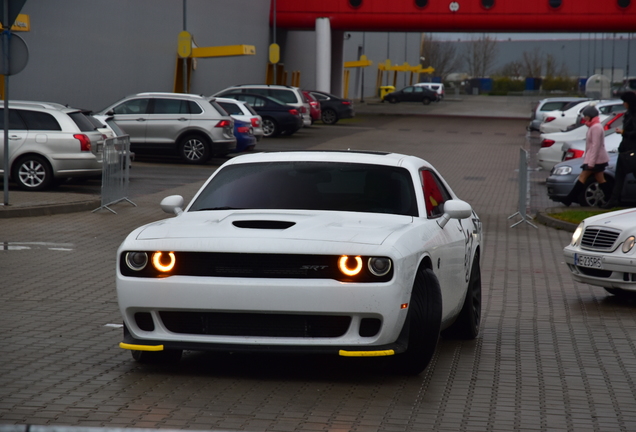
pixel 524 190
pixel 115 172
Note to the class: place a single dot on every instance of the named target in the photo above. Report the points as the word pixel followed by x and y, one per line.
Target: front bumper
pixel 616 272
pixel 559 187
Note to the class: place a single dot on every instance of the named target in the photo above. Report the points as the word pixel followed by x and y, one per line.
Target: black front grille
pixel 255 324
pixel 599 238
pixel 595 272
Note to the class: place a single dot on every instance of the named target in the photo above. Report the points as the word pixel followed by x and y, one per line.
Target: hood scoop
pixel 263 224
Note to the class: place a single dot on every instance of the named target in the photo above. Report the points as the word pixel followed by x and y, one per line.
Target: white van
pixel 436 87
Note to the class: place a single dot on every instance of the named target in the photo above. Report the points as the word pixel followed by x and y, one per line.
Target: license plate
pixel 587 261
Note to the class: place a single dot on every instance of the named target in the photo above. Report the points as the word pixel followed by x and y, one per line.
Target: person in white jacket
pixel 596 158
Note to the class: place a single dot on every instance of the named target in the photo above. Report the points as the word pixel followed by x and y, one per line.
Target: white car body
pixel 448 244
pixel 561 120
pixel 248 115
pixel 436 87
pixel 612 141
pixel 602 252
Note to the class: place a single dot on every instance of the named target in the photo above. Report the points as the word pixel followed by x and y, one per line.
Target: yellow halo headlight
pixel 161 264
pixel 343 265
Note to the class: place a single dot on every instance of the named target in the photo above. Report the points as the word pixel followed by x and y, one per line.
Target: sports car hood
pixel 364 228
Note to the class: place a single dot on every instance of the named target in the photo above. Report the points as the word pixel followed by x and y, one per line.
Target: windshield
pixel 310 186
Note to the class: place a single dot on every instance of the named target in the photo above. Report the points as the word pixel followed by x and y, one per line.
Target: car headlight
pixel 136 260
pixel 353 266
pixel 628 244
pixel 379 266
pixel 576 237
pixel 562 170
pixel 163 262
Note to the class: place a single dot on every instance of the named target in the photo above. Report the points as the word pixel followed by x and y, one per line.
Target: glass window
pixel 287 96
pixel 15 121
pixel 171 106
pixel 552 106
pixel 435 194
pixel 195 108
pixel 319 96
pixel 36 120
pixel 408 90
pixel 231 108
pixel 311 186
pixel 418 89
pixel 82 122
pixel 133 106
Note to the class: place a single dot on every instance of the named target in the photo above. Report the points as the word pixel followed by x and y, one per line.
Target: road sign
pixel 18 54
pixel 14 9
pixel 185 44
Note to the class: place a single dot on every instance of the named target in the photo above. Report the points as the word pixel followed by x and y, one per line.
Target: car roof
pixel 168 95
pixel 54 106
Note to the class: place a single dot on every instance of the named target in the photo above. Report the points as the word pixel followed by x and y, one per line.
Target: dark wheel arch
pixel 32 172
pixel 466 326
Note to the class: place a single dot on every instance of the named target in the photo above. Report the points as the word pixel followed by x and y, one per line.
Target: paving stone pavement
pixel 552 354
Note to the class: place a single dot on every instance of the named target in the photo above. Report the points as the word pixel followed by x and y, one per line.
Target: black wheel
pixel 270 127
pixel 32 173
pixel 392 99
pixel 329 117
pixel 592 195
pixel 157 357
pixel 424 320
pixel 426 101
pixel 194 149
pixel 467 324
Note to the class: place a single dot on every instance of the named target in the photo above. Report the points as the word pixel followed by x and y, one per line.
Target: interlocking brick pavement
pixel 552 354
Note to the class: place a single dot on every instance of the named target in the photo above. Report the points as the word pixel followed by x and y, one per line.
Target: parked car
pixel 564 175
pixel 287 94
pixel 606 109
pixel 332 107
pixel 412 94
pixel 314 106
pixel 546 105
pixel 49 142
pixel 559 121
pixel 189 126
pixel 602 252
pixel 576 149
pixel 242 111
pixel 355 254
pixel 553 150
pixel 436 87
pixel 278 117
pixel 245 139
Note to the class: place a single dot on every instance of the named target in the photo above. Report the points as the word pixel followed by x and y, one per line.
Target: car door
pixel 408 94
pixel 17 135
pixel 132 116
pixel 167 119
pixel 452 243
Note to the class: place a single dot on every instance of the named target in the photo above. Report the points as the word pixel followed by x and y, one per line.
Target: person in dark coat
pixel 626 147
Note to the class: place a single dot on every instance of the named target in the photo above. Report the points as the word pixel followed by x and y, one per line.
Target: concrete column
pixel 337 63
pixel 323 55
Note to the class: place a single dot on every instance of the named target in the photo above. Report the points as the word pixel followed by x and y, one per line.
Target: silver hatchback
pixel 187 125
pixel 49 141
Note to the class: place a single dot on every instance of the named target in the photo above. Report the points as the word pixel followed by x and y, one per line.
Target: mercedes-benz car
pixel 602 252
pixel 354 254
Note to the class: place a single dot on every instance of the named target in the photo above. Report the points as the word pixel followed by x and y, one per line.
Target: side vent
pixel 264 224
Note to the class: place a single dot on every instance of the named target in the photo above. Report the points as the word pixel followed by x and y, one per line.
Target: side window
pixel 194 107
pixel 134 106
pixel 36 120
pixel 418 89
pixel 15 121
pixel 551 106
pixel 171 106
pixel 258 91
pixel 286 96
pixel 319 97
pixel 254 101
pixel 408 90
pixel 435 194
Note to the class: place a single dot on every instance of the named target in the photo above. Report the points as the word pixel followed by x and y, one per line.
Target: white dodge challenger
pixel 351 253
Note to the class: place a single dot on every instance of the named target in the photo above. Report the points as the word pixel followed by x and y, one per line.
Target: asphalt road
pixel 552 354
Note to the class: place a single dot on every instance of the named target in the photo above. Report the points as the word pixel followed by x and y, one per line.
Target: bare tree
pixel 480 55
pixel 512 69
pixel 550 66
pixel 533 62
pixel 440 55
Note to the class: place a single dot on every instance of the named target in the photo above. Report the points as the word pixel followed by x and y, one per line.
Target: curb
pixel 547 220
pixel 51 209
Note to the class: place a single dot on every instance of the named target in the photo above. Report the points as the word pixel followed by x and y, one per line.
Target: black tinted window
pixel 15 121
pixel 36 120
pixel 171 106
pixel 82 122
pixel 231 108
pixel 311 186
pixel 194 107
pixel 287 96
pixel 134 106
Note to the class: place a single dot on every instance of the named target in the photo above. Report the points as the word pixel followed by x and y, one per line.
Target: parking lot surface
pixel 552 354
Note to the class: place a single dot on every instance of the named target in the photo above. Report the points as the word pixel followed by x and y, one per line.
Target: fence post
pixel 524 189
pixel 115 172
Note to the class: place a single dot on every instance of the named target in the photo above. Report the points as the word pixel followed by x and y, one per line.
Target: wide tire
pixel 424 320
pixel 329 117
pixel 426 101
pixel 270 127
pixel 466 326
pixel 32 173
pixel 157 357
pixel 593 195
pixel 195 149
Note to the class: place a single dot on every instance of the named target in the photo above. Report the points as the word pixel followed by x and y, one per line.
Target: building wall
pixel 88 54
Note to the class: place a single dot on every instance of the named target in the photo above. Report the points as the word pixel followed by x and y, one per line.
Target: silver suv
pixel 287 94
pixel 191 126
pixel 49 141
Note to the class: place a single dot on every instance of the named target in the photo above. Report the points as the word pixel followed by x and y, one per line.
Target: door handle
pixel 183 119
pixel 14 137
pixel 141 119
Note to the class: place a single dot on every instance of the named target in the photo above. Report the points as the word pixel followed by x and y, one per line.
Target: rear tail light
pixel 85 142
pixel 243 129
pixel 573 154
pixel 546 143
pixel 255 122
pixel 549 119
pixel 314 104
pixel 293 111
pixel 346 103
pixel 224 123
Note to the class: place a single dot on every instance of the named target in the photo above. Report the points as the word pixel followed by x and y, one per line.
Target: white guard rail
pixel 115 172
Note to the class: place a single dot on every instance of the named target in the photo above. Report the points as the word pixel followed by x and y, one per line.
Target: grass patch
pixel 576 216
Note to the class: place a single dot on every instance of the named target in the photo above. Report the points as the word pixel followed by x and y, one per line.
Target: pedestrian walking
pixel 626 161
pixel 596 157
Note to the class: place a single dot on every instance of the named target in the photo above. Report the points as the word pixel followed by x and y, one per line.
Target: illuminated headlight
pixel 629 244
pixel 136 260
pixel 164 262
pixel 379 266
pixel 562 170
pixel 350 266
pixel 577 235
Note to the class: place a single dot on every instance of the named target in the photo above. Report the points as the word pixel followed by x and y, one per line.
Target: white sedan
pixel 356 254
pixel 602 252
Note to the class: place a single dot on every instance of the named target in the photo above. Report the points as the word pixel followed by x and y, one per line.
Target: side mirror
pixel 110 113
pixel 455 209
pixel 172 204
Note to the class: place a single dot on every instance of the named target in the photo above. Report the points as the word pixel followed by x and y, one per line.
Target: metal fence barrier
pixel 524 189
pixel 115 172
